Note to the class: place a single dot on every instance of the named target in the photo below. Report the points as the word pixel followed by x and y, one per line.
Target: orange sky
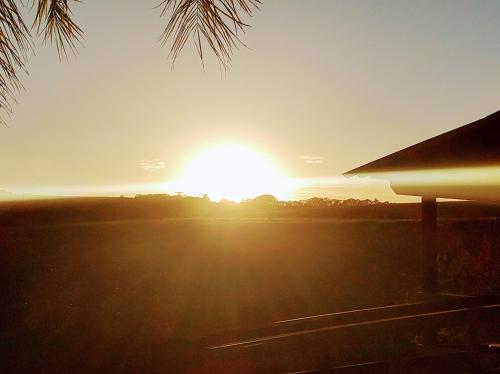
pixel 326 86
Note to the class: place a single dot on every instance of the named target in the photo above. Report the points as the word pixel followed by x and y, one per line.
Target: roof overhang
pixel 461 164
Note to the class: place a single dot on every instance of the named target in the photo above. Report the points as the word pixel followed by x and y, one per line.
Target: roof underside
pixel 470 147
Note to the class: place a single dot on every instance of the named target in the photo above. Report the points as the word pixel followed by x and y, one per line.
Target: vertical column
pixel 429 249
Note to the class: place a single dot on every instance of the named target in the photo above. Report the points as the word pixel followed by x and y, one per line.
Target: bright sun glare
pixel 233 172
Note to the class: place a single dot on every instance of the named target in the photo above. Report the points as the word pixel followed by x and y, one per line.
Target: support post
pixel 429 246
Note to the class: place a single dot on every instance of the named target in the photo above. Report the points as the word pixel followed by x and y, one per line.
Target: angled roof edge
pixel 477 143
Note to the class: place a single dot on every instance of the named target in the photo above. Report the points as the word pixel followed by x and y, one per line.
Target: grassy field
pixel 107 296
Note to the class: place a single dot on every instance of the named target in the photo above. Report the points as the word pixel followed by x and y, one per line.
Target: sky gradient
pixel 324 87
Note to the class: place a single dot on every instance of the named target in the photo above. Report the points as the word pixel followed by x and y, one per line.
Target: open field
pixel 110 296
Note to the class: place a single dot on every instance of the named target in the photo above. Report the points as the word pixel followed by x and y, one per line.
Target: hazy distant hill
pixel 10 196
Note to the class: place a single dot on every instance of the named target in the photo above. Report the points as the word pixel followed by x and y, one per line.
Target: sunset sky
pixel 324 87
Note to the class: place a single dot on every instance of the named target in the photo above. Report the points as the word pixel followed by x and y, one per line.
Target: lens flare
pixel 468 183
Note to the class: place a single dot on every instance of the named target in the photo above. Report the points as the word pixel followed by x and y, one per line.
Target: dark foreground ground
pixel 111 296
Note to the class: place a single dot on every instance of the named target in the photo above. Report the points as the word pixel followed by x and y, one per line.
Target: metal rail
pixel 440 303
pixel 413 322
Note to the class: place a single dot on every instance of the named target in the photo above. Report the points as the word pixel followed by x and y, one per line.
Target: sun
pixel 233 172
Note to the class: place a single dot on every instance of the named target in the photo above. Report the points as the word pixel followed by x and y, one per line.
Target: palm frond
pixel 15 42
pixel 54 19
pixel 217 22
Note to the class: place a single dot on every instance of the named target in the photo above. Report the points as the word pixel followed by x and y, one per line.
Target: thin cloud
pixel 312 159
pixel 152 165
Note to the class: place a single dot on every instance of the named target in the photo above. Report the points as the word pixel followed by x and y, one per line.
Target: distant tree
pixel 261 202
pixel 319 202
pixel 216 22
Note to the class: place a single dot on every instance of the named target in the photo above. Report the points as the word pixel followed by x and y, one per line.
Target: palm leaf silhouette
pixel 53 19
pixel 217 22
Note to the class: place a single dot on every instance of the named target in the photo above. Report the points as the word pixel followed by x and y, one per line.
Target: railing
pixel 357 327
